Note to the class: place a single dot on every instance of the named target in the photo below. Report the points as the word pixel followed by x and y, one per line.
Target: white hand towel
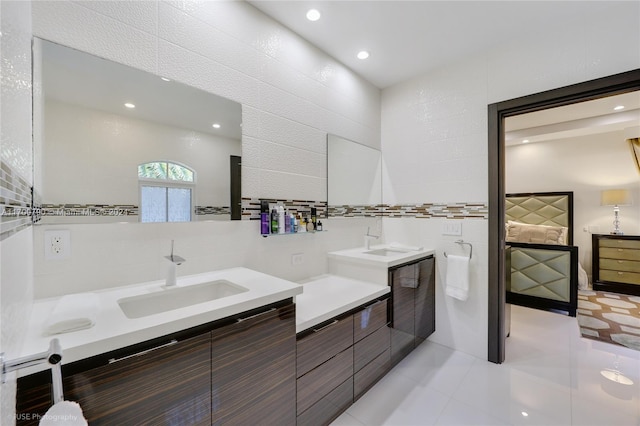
pixel 65 413
pixel 73 312
pixel 457 276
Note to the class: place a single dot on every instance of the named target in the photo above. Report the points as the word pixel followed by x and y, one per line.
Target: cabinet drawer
pixel 619 253
pixel 370 374
pixel 328 407
pixel 620 277
pixel 369 319
pixel 628 244
pixel 370 347
pixel 620 265
pixel 323 343
pixel 323 379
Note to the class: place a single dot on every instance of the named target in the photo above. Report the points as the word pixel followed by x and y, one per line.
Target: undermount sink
pixel 169 299
pixel 386 252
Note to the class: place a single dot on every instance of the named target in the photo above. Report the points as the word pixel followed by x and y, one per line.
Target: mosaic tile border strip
pixel 212 210
pixel 438 210
pixel 251 207
pixel 355 211
pixel 112 210
pixel 15 202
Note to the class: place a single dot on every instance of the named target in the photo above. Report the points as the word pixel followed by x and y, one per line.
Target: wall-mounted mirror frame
pixel 354 178
pixel 88 144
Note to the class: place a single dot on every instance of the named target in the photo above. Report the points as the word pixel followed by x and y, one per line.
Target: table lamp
pixel 615 198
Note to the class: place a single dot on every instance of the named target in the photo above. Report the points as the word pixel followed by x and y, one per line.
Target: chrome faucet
pixel 367 239
pixel 172 271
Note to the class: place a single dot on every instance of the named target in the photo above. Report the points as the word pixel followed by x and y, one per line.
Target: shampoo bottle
pixel 287 222
pixel 264 218
pixel 274 221
pixel 280 220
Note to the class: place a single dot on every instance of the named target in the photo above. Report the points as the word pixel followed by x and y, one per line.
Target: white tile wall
pixel 434 140
pixel 292 95
pixel 16 251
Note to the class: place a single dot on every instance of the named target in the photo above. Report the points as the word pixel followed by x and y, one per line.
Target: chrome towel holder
pixel 52 356
pixel 463 242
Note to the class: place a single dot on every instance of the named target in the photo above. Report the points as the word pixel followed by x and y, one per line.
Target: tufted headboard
pixel 542 208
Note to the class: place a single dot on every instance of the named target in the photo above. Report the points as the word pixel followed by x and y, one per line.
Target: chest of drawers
pixel 616 263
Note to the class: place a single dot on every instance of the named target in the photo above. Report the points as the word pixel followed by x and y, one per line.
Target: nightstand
pixel 616 263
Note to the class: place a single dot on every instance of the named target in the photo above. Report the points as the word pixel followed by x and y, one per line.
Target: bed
pixel 544 261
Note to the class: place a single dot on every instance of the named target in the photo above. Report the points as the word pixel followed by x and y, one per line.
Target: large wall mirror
pixel 354 177
pixel 116 144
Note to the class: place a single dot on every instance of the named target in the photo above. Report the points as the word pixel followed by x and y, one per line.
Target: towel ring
pixel 462 242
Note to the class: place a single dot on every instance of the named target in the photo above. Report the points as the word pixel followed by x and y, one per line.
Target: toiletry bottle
pixel 313 217
pixel 292 220
pixel 310 226
pixel 274 221
pixel 264 218
pixel 319 225
pixel 295 223
pixel 302 225
pixel 280 219
pixel 287 222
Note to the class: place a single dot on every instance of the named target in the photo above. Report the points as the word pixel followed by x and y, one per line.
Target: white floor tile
pixel 396 400
pixel 457 413
pixel 436 367
pixel 551 376
pixel 506 393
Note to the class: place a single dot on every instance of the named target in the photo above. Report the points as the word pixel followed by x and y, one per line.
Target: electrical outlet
pixel 297 259
pixel 57 244
pixel 452 227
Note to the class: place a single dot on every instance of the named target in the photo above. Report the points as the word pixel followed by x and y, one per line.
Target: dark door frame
pixel 607 86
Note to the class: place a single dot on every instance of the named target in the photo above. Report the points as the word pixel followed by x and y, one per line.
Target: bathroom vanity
pixel 213 371
pixel 270 352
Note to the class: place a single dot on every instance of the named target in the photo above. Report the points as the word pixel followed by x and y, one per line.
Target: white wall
pixel 585 165
pixel 16 251
pixel 85 166
pixel 291 93
pixel 434 140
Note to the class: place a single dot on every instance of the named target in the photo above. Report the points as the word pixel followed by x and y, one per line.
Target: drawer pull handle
pixel 315 330
pixel 256 315
pixel 171 343
pixel 620 250
pixel 620 273
pixel 620 261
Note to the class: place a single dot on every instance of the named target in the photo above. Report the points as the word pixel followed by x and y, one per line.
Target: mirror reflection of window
pixel 166 192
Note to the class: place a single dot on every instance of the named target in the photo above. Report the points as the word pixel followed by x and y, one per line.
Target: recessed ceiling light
pixel 313 15
pixel 164 78
pixel 525 414
pixel 129 105
pixel 216 126
pixel 363 54
pixel 525 141
pixel 619 107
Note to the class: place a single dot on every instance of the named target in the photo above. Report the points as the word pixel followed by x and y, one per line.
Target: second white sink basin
pixel 386 252
pixel 178 297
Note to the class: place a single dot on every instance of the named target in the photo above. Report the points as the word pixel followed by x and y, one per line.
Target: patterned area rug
pixel 613 318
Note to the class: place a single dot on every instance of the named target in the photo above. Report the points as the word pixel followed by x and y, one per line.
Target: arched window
pixel 166 191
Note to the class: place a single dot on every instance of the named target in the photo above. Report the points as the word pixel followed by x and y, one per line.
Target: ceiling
pixel 409 38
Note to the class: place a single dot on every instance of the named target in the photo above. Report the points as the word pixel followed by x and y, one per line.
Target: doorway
pixel 497 113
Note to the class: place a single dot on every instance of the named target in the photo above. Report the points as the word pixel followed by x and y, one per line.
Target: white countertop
pixel 113 330
pixel 360 256
pixel 326 296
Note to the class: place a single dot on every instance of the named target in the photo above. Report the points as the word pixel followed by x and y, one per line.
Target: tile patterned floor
pixel 552 376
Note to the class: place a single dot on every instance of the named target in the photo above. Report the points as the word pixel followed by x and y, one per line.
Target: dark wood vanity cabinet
pixel 253 370
pixel 168 384
pixel 240 370
pixel 413 313
pixel 338 360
